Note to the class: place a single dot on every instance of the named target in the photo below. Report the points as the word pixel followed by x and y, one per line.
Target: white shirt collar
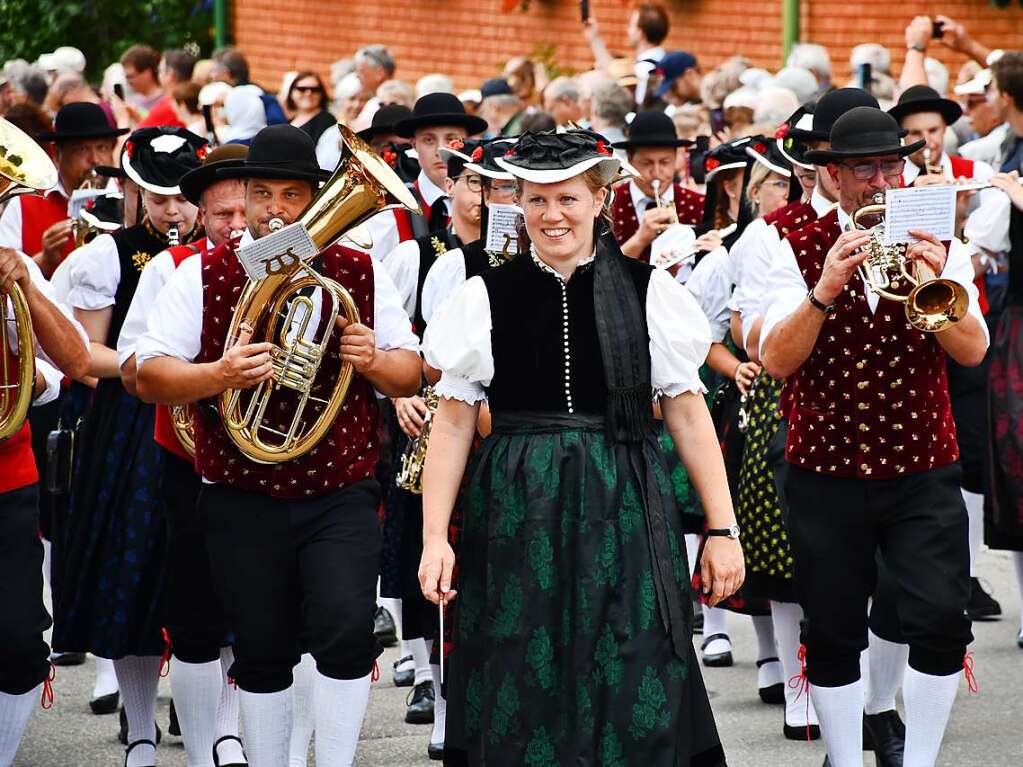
pixel 429 190
pixel 653 54
pixel 912 170
pixel 844 220
pixel 638 198
pixel 819 202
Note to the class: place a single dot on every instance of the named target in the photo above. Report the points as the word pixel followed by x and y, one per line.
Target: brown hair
pixel 30 118
pixel 324 97
pixel 180 62
pixel 1008 74
pixel 141 58
pixel 722 217
pixel 188 94
pixel 652 20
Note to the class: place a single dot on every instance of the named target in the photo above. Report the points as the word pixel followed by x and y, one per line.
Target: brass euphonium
pixel 932 304
pixel 24 168
pixel 410 475
pixel 362 185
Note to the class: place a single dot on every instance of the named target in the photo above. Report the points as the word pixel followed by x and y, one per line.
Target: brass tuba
pixel 362 185
pixel 24 168
pixel 932 304
pixel 410 476
pixel 181 420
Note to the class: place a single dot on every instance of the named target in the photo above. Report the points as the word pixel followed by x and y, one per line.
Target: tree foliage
pixel 103 29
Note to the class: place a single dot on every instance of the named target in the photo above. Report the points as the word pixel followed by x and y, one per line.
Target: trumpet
pixel 661 202
pixel 929 169
pixel 932 304
pixel 689 253
pixel 410 476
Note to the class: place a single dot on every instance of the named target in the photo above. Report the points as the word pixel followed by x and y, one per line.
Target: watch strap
pixel 826 308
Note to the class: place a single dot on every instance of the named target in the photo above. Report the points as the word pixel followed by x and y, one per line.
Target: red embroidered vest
pixel 163 429
pixel 624 223
pixel 349 452
pixel 871 400
pixel 792 217
pixel 39 213
pixel 17 462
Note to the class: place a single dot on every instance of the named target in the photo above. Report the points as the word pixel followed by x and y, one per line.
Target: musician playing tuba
pixel 297 542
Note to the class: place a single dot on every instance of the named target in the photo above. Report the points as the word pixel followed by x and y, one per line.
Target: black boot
pixel 384 629
pixel 173 728
pixel 982 606
pixel 420 704
pixel 435 751
pixel 889 736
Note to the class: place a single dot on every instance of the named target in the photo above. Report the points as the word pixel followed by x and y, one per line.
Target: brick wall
pixel 471 39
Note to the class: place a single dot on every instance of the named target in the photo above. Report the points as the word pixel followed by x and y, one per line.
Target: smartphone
pixel 119 91
pixel 865 76
pixel 584 10
pixel 938 29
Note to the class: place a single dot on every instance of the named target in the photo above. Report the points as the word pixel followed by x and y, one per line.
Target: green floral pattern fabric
pixel 560 654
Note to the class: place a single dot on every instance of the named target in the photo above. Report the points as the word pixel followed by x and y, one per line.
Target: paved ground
pixel 985 728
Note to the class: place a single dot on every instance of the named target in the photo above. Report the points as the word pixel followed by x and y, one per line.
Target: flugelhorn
pixel 410 475
pixel 24 168
pixel 663 203
pixel 929 169
pixel 932 304
pixel 277 309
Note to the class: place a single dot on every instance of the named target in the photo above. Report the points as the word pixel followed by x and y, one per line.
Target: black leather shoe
pixel 773 694
pixel 435 751
pixel 122 734
pixel 982 606
pixel 105 704
pixel 698 621
pixel 889 736
pixel 406 677
pixel 67 658
pixel 1019 639
pixel 173 728
pixel 384 629
pixel 216 756
pixel 138 743
pixel 420 704
pixel 813 732
pixel 718 659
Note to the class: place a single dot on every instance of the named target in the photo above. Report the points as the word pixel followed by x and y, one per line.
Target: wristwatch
pixel 918 47
pixel 723 532
pixel 826 308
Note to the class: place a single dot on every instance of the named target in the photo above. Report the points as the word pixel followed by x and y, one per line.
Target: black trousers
pixel 24 656
pixel 195 614
pixel 296 575
pixel 918 525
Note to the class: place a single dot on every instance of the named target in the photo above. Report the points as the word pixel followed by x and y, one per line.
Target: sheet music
pixel 930 209
pixel 502 228
pixel 277 251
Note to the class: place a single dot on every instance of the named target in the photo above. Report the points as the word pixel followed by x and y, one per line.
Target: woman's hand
pixel 435 570
pixel 411 412
pixel 722 569
pixel 1009 183
pixel 745 374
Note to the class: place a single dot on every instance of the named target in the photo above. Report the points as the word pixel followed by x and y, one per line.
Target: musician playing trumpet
pixel 872 447
pixel 297 542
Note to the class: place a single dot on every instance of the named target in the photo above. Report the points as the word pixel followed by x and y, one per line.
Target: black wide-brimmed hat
pixel 157 158
pixel 436 109
pixel 864 132
pixel 385 120
pixel 281 152
pixel 552 157
pixel 78 121
pixel 457 155
pixel 104 213
pixel 727 156
pixel 923 98
pixel 196 181
pixel 829 108
pixel 786 138
pixel 651 128
pixel 484 158
pixel 767 153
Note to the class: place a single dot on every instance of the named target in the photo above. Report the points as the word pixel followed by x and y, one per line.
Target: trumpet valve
pixel 296 366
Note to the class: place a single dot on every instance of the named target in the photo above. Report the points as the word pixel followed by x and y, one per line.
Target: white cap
pixel 69 59
pixel 473 95
pixel 741 97
pixel 977 86
pixel 214 92
pixel 47 62
pixel 798 80
pixel 754 77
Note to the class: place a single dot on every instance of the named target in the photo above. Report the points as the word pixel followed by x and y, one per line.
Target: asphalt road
pixel 985 728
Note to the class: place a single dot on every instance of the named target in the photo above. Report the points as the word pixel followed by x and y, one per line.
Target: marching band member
pixel 574 580
pixel 205 704
pixel 111 601
pixel 297 543
pixel 872 448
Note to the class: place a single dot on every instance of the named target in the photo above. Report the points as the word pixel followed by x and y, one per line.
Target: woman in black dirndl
pixel 573 642
pixel 111 596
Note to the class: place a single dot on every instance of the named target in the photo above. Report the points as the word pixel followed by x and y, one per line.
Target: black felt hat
pixel 923 98
pixel 799 123
pixel 157 158
pixel 385 120
pixel 402 160
pixel 652 128
pixel 864 132
pixel 281 152
pixel 484 158
pixel 195 182
pixel 105 213
pixel 436 109
pixel 727 156
pixel 78 121
pixel 551 157
pixel 457 155
pixel 767 153
pixel 829 108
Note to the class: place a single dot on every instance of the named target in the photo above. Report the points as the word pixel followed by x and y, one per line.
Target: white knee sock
pixel 340 707
pixel 138 676
pixel 692 549
pixel 106 678
pixel 421 655
pixel 15 711
pixel 714 622
pixel 768 674
pixel 841 713
pixel 303 718
pixel 47 562
pixel 887 662
pixel 1017 558
pixel 230 751
pixel 975 512
pixel 266 718
pixel 196 690
pixel 440 707
pixel 928 701
pixel 786 616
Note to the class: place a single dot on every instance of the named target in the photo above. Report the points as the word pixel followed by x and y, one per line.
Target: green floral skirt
pixel 561 655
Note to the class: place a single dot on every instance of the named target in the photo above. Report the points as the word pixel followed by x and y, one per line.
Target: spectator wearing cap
pixel 680 78
pixel 815 58
pixel 142 75
pixel 501 108
pixel 561 100
pixel 38 225
pixel 986 116
pixel 434 83
pixel 176 67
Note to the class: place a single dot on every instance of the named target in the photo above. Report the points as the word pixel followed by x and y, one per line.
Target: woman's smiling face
pixel 559 217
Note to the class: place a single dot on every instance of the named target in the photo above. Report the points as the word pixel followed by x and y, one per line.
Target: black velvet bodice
pixel 547 355
pixel 1015 294
pixel 136 245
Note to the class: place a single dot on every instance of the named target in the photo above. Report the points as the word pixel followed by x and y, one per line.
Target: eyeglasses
pixel 778 183
pixel 503 187
pixel 864 171
pixel 473 181
pixel 307 88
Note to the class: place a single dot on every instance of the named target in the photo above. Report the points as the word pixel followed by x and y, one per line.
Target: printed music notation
pixel 276 252
pixel 930 209
pixel 502 228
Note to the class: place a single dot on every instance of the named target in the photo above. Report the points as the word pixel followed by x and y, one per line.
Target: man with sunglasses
pixel 872 449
